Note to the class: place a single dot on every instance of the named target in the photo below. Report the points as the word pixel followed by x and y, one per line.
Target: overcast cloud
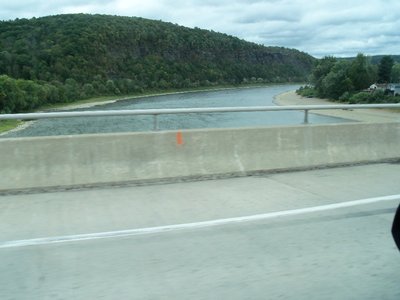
pixel 318 27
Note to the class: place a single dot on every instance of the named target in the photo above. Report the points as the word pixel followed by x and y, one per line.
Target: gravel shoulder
pixel 360 115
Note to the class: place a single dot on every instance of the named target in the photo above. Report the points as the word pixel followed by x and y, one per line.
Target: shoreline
pixel 359 115
pixel 22 126
pixel 283 99
pixel 72 106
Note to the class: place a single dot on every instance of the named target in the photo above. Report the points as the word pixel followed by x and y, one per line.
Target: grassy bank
pixel 6 125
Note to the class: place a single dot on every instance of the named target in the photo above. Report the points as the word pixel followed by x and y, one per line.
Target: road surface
pixel 320 234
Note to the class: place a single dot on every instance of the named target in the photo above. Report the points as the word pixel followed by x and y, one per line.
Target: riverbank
pixel 99 102
pixel 359 115
pixel 90 103
pixel 8 127
pixel 17 126
pixel 255 94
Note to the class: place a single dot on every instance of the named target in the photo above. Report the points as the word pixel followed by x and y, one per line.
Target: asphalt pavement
pixel 319 234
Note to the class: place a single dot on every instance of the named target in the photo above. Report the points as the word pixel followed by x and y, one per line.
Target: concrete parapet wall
pixel 109 158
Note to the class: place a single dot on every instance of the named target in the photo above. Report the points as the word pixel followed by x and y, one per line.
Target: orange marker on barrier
pixel 179 138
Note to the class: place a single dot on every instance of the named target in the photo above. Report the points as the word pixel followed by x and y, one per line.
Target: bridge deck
pixel 337 253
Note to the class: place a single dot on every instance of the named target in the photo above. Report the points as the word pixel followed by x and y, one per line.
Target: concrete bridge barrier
pixel 85 160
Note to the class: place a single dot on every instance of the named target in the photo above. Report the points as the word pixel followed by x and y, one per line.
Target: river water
pixel 261 96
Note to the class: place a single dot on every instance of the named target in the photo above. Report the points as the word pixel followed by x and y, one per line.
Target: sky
pixel 321 28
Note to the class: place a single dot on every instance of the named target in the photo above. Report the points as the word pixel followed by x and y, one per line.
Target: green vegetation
pixel 377 58
pixel 385 69
pixel 65 58
pixel 349 80
pixel 6 125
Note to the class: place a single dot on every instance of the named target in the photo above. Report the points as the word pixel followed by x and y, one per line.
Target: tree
pixel 337 82
pixel 361 73
pixel 111 88
pixel 87 90
pixel 396 72
pixel 320 71
pixel 385 69
pixel 71 90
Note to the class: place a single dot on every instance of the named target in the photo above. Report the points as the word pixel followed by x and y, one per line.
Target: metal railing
pixel 156 112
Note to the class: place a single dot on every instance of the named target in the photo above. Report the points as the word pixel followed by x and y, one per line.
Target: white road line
pixel 211 223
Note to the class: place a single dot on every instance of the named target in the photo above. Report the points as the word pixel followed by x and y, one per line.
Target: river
pixel 258 96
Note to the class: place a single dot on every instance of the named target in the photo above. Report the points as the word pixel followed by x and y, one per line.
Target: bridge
pixel 90 160
pixel 291 212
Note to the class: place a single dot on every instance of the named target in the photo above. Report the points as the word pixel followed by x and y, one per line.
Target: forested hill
pixel 375 59
pixel 67 57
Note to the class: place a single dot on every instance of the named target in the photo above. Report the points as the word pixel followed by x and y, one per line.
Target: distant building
pixel 377 87
pixel 390 88
pixel 393 88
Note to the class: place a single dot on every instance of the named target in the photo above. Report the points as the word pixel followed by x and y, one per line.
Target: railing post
pixel 306 116
pixel 155 122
